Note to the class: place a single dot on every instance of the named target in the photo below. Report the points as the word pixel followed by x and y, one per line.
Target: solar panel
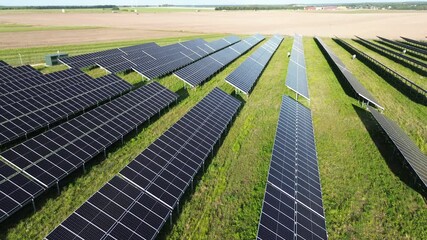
pixel 21 118
pixel 245 76
pixel 54 154
pixel 22 89
pixel 117 211
pixel 4 64
pixel 21 72
pixel 181 55
pixel 16 191
pixel 159 175
pixel 292 207
pixel 382 49
pixel 420 43
pixel 354 83
pixel 405 46
pixel 407 148
pixel 296 78
pixel 201 70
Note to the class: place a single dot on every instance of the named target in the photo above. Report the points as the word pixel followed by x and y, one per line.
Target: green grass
pixel 31 28
pixel 37 54
pixel 364 198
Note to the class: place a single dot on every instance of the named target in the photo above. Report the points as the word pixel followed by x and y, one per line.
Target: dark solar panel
pixel 245 76
pixel 412 61
pixel 292 207
pixel 199 71
pixel 51 156
pixel 117 211
pixel 22 89
pixel 404 46
pixel 296 78
pixel 21 118
pixel 354 83
pixel 21 72
pixel 421 43
pixel 409 150
pixel 15 191
pixel 4 64
pixel 137 203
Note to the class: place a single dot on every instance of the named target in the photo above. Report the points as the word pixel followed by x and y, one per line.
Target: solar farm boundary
pixel 415 65
pixel 416 92
pixel 342 69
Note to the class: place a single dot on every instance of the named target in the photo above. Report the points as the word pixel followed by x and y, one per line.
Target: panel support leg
pixel 57 188
pixel 84 168
pixel 170 220
pixel 177 207
pixel 34 205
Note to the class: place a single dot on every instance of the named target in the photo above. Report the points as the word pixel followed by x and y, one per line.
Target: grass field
pixel 366 194
pixel 109 10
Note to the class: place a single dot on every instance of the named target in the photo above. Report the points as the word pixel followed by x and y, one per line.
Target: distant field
pixel 367 195
pixel 151 23
pixel 109 10
pixel 30 28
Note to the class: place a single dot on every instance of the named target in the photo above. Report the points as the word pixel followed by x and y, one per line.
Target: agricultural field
pixel 366 193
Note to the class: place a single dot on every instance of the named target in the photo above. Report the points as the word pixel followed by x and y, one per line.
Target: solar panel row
pixel 90 59
pixel 245 76
pixel 199 71
pixel 420 43
pixel 24 117
pixel 382 49
pixel 354 83
pixel 136 203
pixel 9 74
pixel 12 92
pixel 407 148
pixel 405 46
pixel 296 78
pixel 53 155
pixel 292 207
pixel 181 57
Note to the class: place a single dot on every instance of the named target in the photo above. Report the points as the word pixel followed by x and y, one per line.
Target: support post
pixel 34 205
pixel 57 187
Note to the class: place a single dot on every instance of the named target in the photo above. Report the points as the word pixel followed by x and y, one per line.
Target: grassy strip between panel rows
pixel 366 195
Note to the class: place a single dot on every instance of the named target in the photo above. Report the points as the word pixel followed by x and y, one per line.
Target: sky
pixel 174 2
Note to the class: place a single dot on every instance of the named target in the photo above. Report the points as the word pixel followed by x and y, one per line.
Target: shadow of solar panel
pixel 29 115
pixel 245 76
pixel 409 150
pixel 293 207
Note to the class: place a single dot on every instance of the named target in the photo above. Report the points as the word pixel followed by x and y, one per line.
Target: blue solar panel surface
pixel 292 207
pixel 296 78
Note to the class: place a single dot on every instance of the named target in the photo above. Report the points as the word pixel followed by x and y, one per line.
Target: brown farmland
pixel 128 26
